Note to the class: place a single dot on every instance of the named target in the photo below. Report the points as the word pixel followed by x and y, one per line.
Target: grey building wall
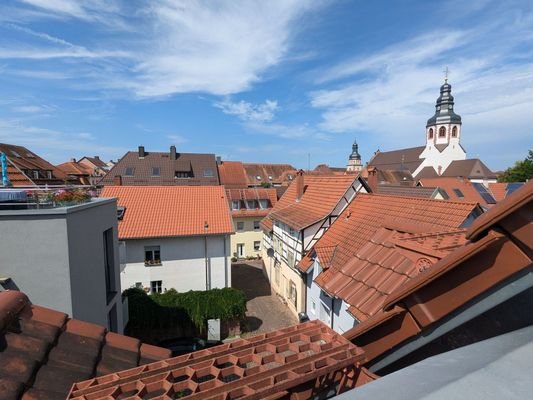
pixel 56 257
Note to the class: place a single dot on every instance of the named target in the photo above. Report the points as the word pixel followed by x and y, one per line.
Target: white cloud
pixel 246 111
pixel 391 93
pixel 31 109
pixel 177 139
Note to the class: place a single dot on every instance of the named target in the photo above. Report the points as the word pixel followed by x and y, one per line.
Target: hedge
pixel 170 309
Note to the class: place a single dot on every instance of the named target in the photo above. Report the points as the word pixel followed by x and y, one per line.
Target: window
pixel 49 174
pixel 313 307
pixel 445 194
pixel 152 255
pixel 270 177
pixel 250 204
pixel 35 174
pixel 240 226
pixel 182 174
pixel 257 245
pixel 277 267
pixel 290 177
pixel 292 293
pixel 235 204
pixel 120 213
pixel 155 286
pixel 458 193
pixel 256 225
pixel 442 131
pixel 156 171
pixel 258 177
pixel 290 259
pixel 263 204
pixel 430 135
pixel 109 263
pixel 208 172
pixel 129 171
pixel 454 131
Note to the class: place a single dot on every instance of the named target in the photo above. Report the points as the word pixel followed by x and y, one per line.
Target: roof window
pixel 129 171
pixel 445 194
pixel 182 174
pixel 458 193
pixel 258 177
pixel 208 173
pixel 120 213
pixel 15 153
pixel 156 171
pixel 270 177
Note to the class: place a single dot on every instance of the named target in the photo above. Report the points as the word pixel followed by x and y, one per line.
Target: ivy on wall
pixel 170 309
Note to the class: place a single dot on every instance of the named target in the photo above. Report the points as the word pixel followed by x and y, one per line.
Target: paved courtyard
pixel 265 310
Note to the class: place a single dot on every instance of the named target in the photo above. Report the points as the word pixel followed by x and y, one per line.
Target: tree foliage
pixel 170 309
pixel 520 172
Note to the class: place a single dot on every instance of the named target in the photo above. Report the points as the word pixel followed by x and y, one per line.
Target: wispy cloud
pixel 177 139
pixel 31 109
pixel 391 93
pixel 246 111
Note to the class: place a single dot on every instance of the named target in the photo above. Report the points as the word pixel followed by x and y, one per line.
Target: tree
pixel 520 172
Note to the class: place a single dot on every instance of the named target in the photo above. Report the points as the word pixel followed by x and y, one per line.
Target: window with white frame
pixel 152 255
pixel 235 204
pixel 263 204
pixel 156 286
pixel 256 225
pixel 250 204
pixel 257 245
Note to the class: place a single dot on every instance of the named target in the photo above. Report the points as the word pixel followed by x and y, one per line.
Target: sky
pixel 281 81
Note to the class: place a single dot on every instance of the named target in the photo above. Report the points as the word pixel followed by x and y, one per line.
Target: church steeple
pixel 354 160
pixel 444 113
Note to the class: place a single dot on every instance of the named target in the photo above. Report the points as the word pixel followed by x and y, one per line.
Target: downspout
pixel 226 238
pixel 304 276
pixel 206 227
pixel 332 311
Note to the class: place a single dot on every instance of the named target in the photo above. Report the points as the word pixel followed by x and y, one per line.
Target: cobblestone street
pixel 265 310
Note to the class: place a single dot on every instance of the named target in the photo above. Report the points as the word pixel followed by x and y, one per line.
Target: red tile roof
pixel 243 195
pixel 43 352
pixel 16 177
pixel 267 366
pixel 451 185
pixel 402 159
pixel 472 168
pixel 73 168
pixel 167 211
pixel 321 195
pixel 232 174
pixel 378 243
pixel 498 190
pixel 25 160
pixel 499 246
pixel 267 173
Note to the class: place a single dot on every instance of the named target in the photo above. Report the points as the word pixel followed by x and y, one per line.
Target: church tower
pixel 354 160
pixel 443 134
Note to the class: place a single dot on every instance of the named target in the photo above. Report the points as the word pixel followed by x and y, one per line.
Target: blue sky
pixel 263 81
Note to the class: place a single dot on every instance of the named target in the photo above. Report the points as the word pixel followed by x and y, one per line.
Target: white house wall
pixel 183 263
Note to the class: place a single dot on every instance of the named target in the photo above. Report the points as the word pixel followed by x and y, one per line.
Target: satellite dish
pixel 270 252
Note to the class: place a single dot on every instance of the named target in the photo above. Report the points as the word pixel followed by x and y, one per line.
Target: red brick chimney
pixel 372 178
pixel 299 182
pixel 117 180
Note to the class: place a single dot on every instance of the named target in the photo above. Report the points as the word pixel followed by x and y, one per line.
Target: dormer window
pixel 156 171
pixel 35 174
pixel 263 204
pixel 235 204
pixel 270 177
pixel 250 204
pixel 258 177
pixel 182 174
pixel 430 134
pixel 49 174
pixel 129 171
pixel 454 131
pixel 442 131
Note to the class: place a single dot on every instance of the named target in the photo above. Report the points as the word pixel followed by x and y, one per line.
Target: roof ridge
pixel 462 203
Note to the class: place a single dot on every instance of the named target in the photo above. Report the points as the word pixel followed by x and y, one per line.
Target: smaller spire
pixel 446 72
pixel 355 151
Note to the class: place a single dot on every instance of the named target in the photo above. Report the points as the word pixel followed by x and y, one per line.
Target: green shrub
pixel 170 309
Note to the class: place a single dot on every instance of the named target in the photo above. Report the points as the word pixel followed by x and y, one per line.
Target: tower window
pixel 454 131
pixel 442 131
pixel 430 135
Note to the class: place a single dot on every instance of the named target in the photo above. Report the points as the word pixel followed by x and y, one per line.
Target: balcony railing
pixel 44 197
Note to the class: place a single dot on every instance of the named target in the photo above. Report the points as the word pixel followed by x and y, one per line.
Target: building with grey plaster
pixel 65 258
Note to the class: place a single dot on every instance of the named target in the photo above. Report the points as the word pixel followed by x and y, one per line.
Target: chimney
pixel 372 179
pixel 299 182
pixel 142 153
pixel 117 180
pixel 172 152
pixel 97 158
pixel 219 160
pixel 72 160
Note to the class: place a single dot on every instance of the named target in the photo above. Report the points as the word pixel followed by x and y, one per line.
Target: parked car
pixel 180 346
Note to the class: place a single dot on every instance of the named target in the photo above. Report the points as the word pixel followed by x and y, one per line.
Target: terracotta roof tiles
pixel 321 195
pixel 457 189
pixel 167 211
pixel 43 352
pixel 471 168
pixel 376 249
pixel 402 159
pixel 244 196
pixel 266 173
pixel 232 174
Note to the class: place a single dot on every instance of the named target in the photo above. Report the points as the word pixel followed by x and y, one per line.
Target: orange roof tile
pixel 165 211
pixel 378 246
pixel 242 195
pixel 451 185
pixel 17 177
pixel 267 173
pixel 73 168
pixel 321 195
pixel 232 174
pixel 498 190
